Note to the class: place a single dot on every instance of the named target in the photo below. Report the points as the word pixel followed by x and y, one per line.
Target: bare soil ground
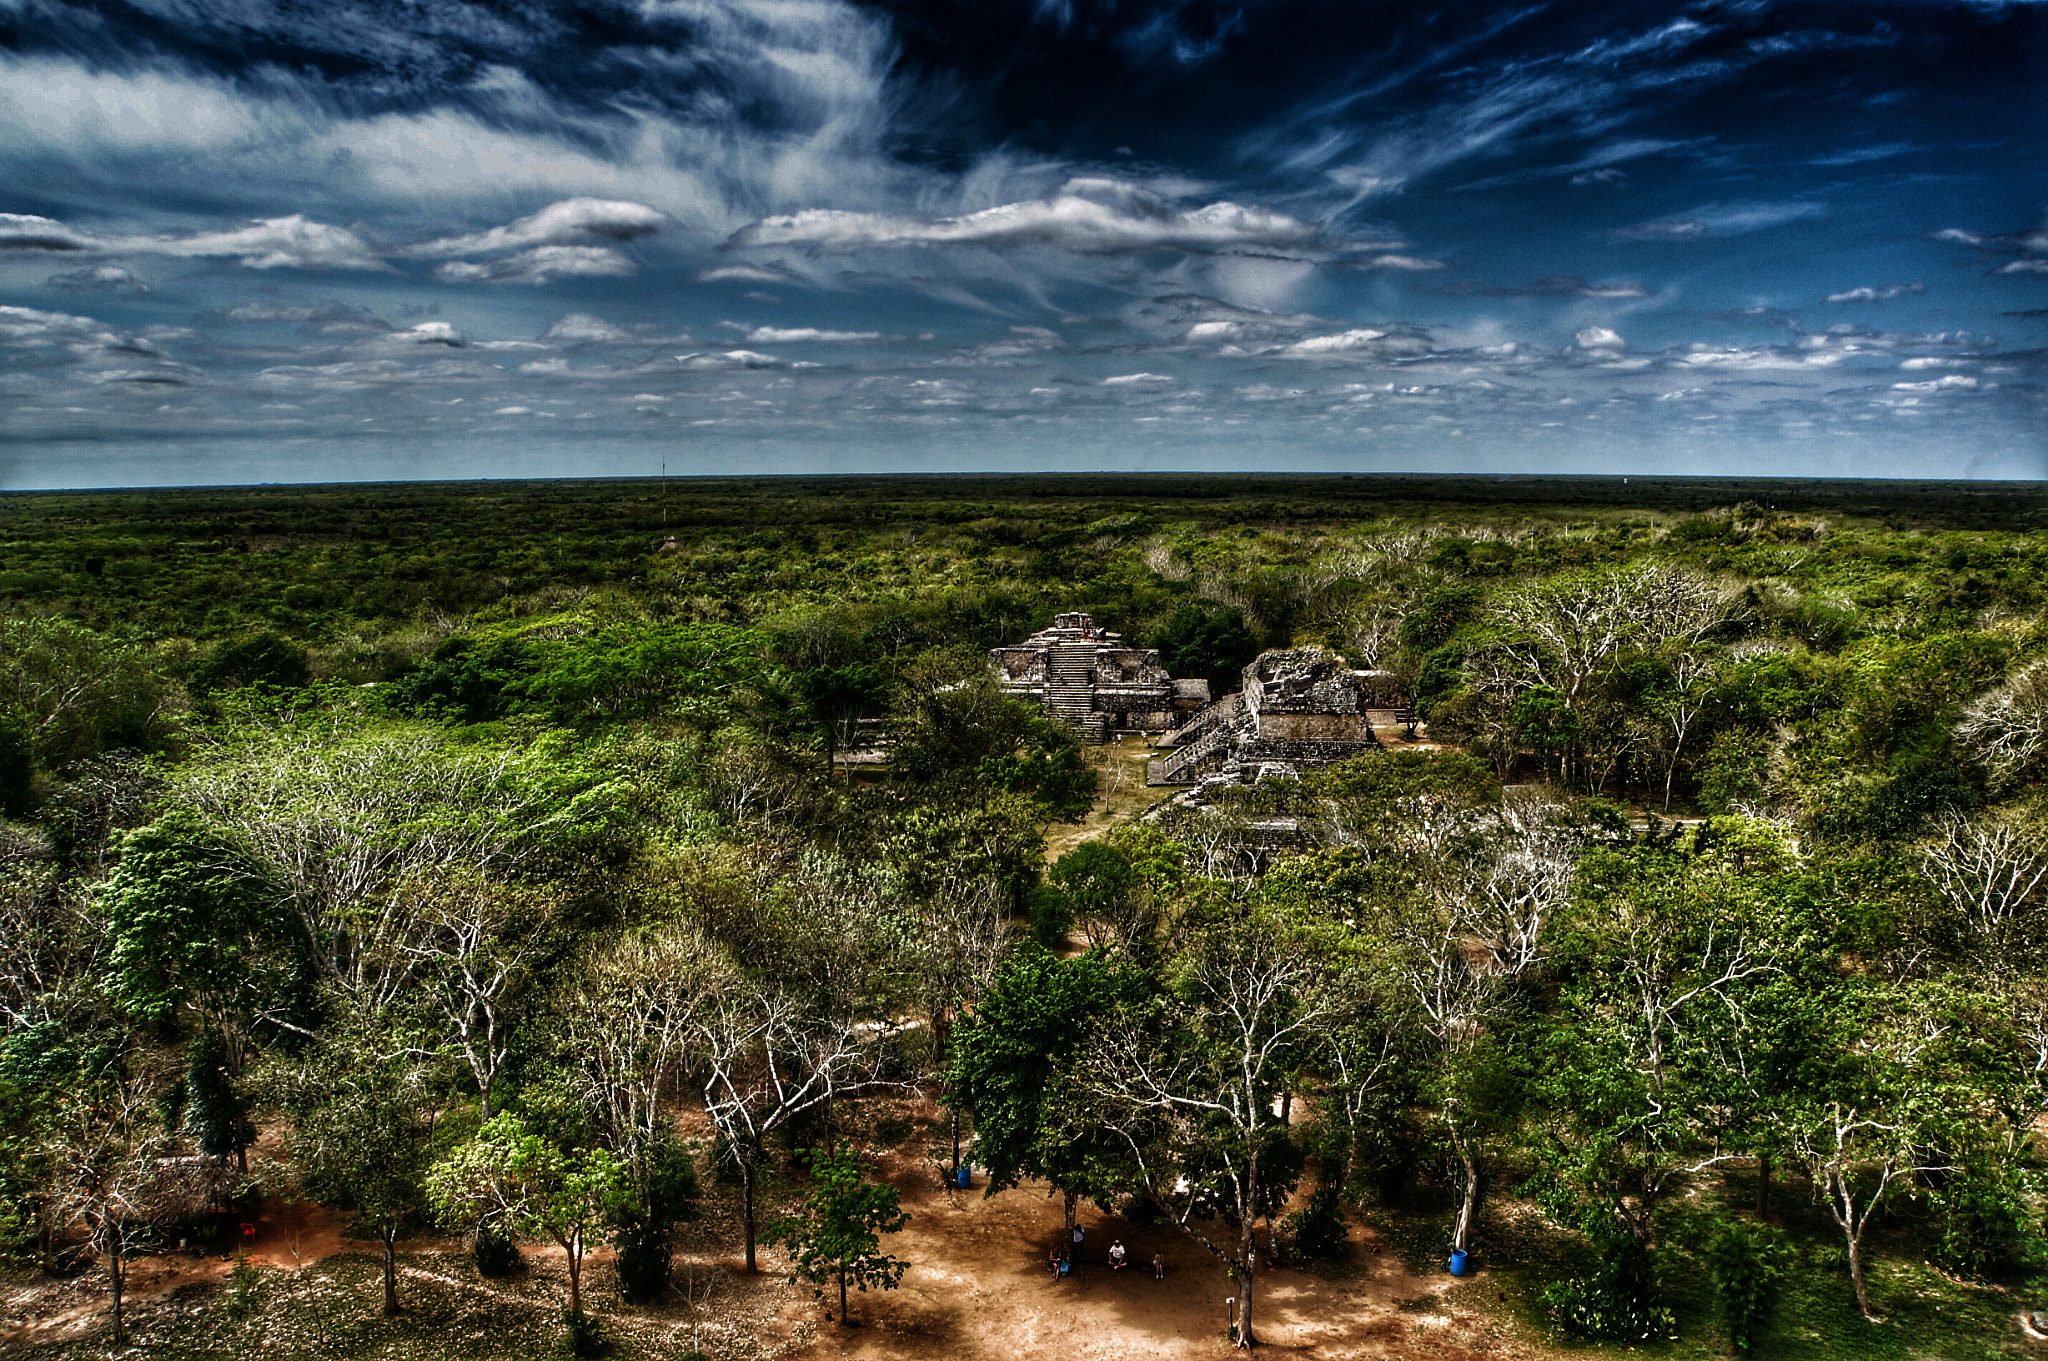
pixel 979 1286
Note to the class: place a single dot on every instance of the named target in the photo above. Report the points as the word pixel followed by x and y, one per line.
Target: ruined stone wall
pixel 1299 753
pixel 1320 726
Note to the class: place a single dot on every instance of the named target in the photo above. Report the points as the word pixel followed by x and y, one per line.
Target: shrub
pixel 1742 1263
pixel 1616 1302
pixel 585 1337
pixel 1989 1230
pixel 1317 1230
pixel 1052 916
pixel 497 1256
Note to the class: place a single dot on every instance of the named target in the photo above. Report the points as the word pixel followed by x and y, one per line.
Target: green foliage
pixel 1013 1059
pixel 1744 1264
pixel 1057 778
pixel 837 1235
pixel 262 658
pixel 1095 876
pixel 583 1335
pixel 1317 1230
pixel 1211 644
pixel 215 1115
pixel 572 669
pixel 185 917
pixel 1990 1222
pixel 17 768
pixel 495 1251
pixel 645 1233
pixel 528 1185
pixel 1615 1302
pixel 1374 783
pixel 1438 614
pixel 73 692
pixel 1052 915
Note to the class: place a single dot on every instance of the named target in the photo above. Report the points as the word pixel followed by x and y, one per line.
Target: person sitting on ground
pixel 1053 1258
pixel 1116 1256
pixel 1158 1266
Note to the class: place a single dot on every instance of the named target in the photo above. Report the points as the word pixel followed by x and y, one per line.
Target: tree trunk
pixel 1856 1276
pixel 573 1245
pixel 390 1236
pixel 1247 1270
pixel 956 1146
pixel 1763 1187
pixel 1461 1239
pixel 843 1320
pixel 117 1270
pixel 747 1206
pixel 1073 1204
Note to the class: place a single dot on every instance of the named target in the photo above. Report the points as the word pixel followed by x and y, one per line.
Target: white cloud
pixel 26 327
pixel 1140 380
pixel 25 231
pixel 1871 294
pixel 754 274
pixel 778 335
pixel 731 359
pixel 293 242
pixel 542 264
pixel 1954 382
pixel 439 333
pixel 1598 338
pixel 1367 341
pixel 1087 215
pixel 580 328
pixel 570 222
pixel 1714 220
pixel 99 279
pixel 271 243
pixel 1411 262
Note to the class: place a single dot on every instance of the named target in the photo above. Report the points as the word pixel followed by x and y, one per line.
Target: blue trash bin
pixel 1458 1262
pixel 963 1177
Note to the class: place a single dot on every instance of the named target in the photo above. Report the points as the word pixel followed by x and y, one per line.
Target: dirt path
pixel 978 1286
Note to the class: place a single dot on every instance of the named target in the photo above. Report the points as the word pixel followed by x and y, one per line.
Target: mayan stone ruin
pixel 1303 706
pixel 1089 680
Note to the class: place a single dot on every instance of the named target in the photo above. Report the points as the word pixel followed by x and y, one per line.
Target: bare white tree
pixel 108 1148
pixel 1992 873
pixel 635 1023
pixel 771 1059
pixel 1488 881
pixel 1196 1096
pixel 343 821
pixel 964 935
pixel 472 963
pixel 2007 727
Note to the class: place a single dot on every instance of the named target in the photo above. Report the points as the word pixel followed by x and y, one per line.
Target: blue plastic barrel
pixel 963 1176
pixel 1458 1267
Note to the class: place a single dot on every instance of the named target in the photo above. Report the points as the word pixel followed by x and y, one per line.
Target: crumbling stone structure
pixel 1087 678
pixel 1299 707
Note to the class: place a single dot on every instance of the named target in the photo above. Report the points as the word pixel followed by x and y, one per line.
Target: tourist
pixel 1116 1256
pixel 1158 1266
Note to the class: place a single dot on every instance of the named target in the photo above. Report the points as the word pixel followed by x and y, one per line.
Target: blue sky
pixel 249 241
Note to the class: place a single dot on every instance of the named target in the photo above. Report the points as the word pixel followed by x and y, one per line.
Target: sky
pixel 320 240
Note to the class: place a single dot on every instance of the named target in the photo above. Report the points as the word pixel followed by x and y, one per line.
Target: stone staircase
pixel 1070 690
pixel 1194 745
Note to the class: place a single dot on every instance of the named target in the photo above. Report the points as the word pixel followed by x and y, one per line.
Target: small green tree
pixel 838 1233
pixel 1013 1066
pixel 534 1189
pixel 362 1142
pixel 1742 1263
